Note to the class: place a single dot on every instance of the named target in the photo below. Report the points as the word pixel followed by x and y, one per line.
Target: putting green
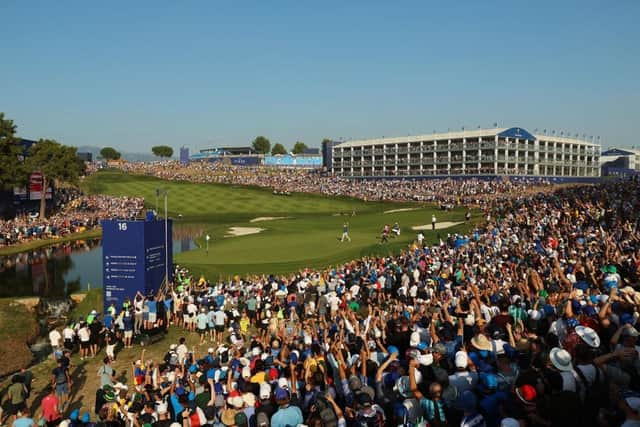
pixel 307 236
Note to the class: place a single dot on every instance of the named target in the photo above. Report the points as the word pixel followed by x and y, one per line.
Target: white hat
pixel 244 361
pixel 249 399
pixel 173 346
pixel 425 359
pixel 235 401
pixel 461 359
pixel 415 339
pixel 535 314
pixel 588 335
pixel 307 340
pixel 161 408
pixel 283 383
pixel 255 351
pixel 561 359
pixel 210 350
pixel 265 391
pixel 246 372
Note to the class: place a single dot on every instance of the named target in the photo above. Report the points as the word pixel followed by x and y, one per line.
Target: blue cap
pixel 180 391
pixel 626 318
pixel 572 322
pixel 281 394
pixel 549 310
pixel 393 349
pixel 74 414
pixel 489 381
pixel 589 311
pixel 86 417
pixel 422 346
pixel 193 369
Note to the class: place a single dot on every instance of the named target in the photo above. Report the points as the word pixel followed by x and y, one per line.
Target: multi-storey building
pixel 500 151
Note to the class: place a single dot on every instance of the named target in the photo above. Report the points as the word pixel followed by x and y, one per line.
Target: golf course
pixel 253 231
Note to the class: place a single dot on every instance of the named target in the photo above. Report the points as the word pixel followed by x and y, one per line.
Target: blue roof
pixel 517 133
pixel 617 152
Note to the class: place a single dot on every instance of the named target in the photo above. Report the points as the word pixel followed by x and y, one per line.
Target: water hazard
pixel 62 269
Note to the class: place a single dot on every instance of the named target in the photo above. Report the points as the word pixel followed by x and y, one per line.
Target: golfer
pixel 433 221
pixel 345 232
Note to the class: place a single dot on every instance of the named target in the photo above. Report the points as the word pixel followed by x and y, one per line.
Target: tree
pixel 299 147
pixel 109 153
pixel 162 151
pixel 278 149
pixel 261 144
pixel 12 171
pixel 56 162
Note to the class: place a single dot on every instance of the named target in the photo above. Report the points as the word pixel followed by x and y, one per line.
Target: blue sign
pixel 134 258
pixel 517 133
pixel 289 160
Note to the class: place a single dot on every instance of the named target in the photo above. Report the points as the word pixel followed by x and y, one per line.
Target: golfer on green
pixel 345 232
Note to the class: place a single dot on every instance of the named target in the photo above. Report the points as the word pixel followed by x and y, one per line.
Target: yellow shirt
pixel 259 378
pixel 244 325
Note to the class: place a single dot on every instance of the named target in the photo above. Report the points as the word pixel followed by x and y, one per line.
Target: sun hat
pixel 481 342
pixel 561 359
pixel 588 335
pixel 229 417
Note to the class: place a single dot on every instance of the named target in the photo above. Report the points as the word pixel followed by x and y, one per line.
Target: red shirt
pixel 50 407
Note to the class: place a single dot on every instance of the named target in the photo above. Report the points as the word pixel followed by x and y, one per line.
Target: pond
pixel 62 269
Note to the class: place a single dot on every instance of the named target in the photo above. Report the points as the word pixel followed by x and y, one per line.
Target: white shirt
pixel 84 334
pixel 68 333
pixel 219 317
pixel 182 351
pixel 55 337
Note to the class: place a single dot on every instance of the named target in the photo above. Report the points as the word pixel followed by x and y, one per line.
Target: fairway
pixel 305 232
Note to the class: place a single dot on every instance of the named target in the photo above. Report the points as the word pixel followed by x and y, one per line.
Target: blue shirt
pixel 152 306
pixel 23 422
pixel 290 416
pixel 128 323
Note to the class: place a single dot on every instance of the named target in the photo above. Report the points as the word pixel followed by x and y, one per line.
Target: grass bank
pixel 18 327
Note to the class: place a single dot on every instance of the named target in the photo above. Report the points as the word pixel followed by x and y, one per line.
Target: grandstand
pixel 481 152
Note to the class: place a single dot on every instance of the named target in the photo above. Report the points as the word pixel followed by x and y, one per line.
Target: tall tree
pixel 299 147
pixel 109 153
pixel 12 171
pixel 162 151
pixel 261 144
pixel 56 162
pixel 278 149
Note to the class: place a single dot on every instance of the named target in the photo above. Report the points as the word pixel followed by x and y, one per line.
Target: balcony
pixel 442 161
pixel 378 152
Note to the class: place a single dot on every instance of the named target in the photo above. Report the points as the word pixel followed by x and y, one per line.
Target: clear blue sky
pixel 137 74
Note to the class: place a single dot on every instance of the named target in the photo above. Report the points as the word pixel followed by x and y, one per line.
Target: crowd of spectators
pixel 77 213
pixel 288 180
pixel 529 320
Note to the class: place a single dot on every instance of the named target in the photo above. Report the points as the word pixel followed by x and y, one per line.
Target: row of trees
pixel 262 145
pixel 56 162
pixel 162 151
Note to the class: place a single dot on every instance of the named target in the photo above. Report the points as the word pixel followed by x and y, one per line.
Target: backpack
pixel 325 409
pixel 262 419
pixel 595 397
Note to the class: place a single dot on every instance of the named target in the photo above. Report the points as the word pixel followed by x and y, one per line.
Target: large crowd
pixel 530 320
pixel 288 180
pixel 77 213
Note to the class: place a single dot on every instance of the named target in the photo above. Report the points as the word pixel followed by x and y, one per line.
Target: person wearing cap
pixel 287 414
pixel 266 404
pixel 463 379
pixel 433 407
pixel 201 324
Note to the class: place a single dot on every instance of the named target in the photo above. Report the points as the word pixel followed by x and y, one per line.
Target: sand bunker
pixel 243 231
pixel 268 218
pixel 400 210
pixel 439 225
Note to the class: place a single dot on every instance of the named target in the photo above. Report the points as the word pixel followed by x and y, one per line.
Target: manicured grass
pixel 308 237
pixel 34 244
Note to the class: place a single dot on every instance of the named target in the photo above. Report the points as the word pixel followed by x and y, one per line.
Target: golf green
pixel 306 230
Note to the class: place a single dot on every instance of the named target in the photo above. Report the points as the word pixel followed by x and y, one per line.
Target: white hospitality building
pixel 481 152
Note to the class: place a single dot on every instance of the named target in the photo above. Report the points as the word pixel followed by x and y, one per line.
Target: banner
pixel 35 187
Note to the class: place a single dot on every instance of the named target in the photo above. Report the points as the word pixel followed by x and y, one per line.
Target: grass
pixel 308 237
pixel 19 326
pixel 34 244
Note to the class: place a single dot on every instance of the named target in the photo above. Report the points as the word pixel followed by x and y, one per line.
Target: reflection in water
pixel 65 268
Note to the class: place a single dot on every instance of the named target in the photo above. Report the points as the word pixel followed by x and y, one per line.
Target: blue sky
pixel 136 74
